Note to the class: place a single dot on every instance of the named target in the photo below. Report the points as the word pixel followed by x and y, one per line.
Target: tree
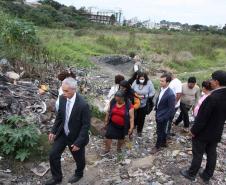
pixel 224 28
pixel 52 3
pixel 198 27
pixel 43 15
pixel 112 19
pixel 82 10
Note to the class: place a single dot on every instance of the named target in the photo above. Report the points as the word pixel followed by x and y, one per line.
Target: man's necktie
pixel 66 129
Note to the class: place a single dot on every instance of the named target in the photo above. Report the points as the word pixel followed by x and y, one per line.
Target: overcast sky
pixel 208 12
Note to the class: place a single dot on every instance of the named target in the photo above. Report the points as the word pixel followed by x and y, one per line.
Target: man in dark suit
pixel 165 106
pixel 208 129
pixel 70 129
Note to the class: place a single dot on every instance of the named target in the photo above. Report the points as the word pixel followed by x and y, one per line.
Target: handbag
pixel 149 105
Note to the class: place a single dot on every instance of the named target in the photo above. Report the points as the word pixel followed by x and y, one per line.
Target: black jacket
pixel 166 106
pixel 79 121
pixel 209 123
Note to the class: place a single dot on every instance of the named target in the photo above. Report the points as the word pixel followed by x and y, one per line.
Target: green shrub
pixel 81 32
pixel 43 148
pixel 109 41
pixel 132 39
pixel 95 112
pixel 17 37
pixel 51 3
pixel 44 15
pixel 18 138
pixel 15 9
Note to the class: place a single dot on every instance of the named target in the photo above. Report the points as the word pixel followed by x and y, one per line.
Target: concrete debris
pixel 41 169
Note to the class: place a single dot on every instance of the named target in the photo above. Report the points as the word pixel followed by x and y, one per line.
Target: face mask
pixel 141 81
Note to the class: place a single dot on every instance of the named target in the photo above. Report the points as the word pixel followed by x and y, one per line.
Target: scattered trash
pixel 134 165
pixel 41 169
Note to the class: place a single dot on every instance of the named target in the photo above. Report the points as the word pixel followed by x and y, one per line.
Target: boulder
pixel 146 162
pixel 12 75
pixel 41 169
pixel 5 66
pixel 158 58
pixel 4 62
pixel 97 127
pixel 175 153
pixel 46 118
pixel 91 159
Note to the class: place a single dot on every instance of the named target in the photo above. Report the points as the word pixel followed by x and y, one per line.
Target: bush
pixel 18 138
pixel 15 9
pixel 51 3
pixel 109 41
pixel 44 15
pixel 132 39
pixel 95 112
pixel 17 38
pixel 19 32
pixel 81 32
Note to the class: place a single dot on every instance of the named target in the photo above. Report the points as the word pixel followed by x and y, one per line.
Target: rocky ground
pixel 134 166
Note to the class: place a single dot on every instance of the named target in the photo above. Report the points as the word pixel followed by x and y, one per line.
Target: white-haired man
pixel 70 129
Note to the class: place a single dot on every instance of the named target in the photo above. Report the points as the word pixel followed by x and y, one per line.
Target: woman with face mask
pixel 144 89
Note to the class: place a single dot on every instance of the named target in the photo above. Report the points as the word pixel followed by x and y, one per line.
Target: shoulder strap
pixel 112 103
pixel 128 104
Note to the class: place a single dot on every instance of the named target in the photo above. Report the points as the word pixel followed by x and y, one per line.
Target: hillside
pixel 75 45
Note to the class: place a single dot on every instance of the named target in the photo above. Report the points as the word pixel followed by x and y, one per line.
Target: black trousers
pixel 59 146
pixel 162 128
pixel 198 149
pixel 184 109
pixel 171 121
pixel 140 118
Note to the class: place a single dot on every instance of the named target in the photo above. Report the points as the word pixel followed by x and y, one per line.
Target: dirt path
pixel 112 70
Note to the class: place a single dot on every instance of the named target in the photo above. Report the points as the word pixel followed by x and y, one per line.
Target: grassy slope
pixel 76 47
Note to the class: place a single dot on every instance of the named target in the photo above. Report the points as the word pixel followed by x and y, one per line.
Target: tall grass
pixel 76 47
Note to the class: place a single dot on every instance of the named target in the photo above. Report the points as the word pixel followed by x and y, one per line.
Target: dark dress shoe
pixel 164 145
pixel 204 179
pixel 172 134
pixel 74 179
pixel 186 174
pixel 52 182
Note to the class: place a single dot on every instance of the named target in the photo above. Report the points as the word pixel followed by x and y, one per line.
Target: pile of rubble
pixel 135 165
pixel 20 96
pixel 34 98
